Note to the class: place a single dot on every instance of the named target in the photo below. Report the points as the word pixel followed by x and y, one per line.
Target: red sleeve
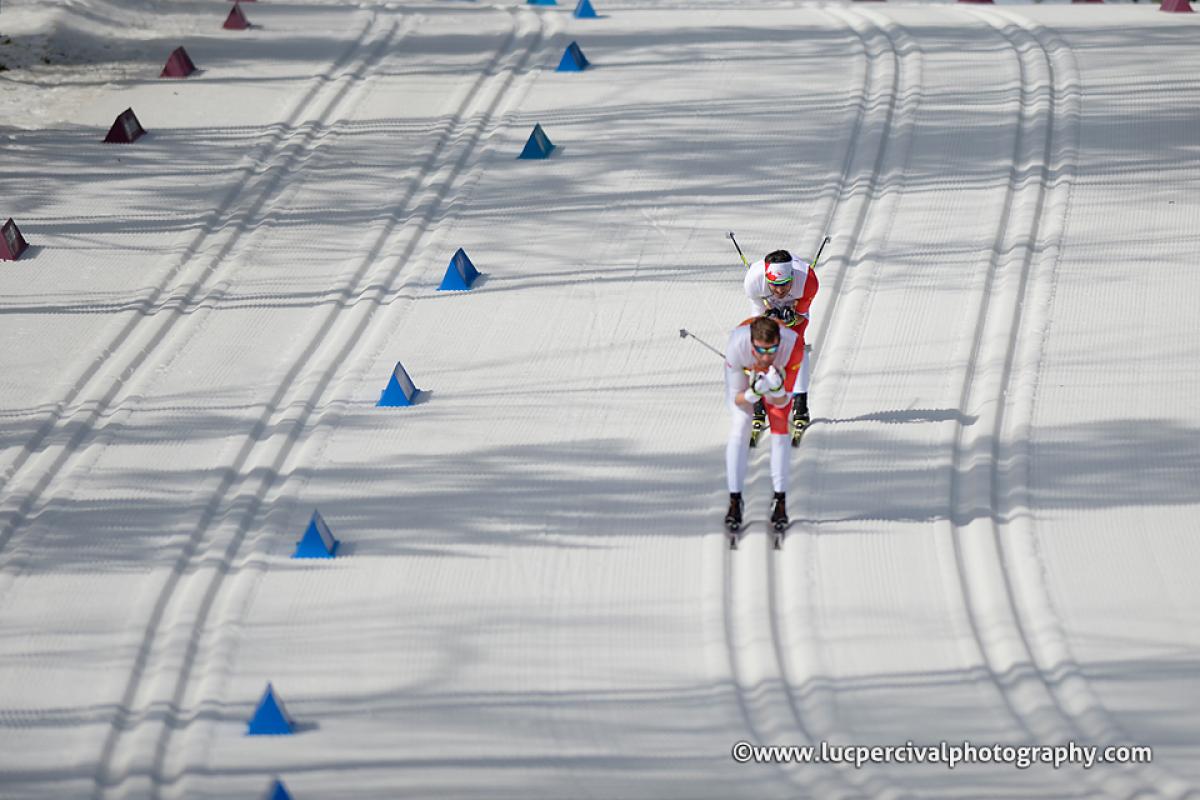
pixel 810 291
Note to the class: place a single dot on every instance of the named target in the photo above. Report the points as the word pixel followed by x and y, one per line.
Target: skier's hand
pixel 773 380
pixel 750 396
pixel 760 383
pixel 787 316
pixel 773 383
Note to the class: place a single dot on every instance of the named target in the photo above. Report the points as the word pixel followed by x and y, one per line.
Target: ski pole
pixel 739 249
pixel 820 250
pixel 684 333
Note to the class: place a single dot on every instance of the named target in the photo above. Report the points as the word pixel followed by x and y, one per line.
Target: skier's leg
pixel 799 389
pixel 802 379
pixel 736 453
pixel 781 460
pixel 781 466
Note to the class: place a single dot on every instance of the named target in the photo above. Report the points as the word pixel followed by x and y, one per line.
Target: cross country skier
pixel 762 362
pixel 783 287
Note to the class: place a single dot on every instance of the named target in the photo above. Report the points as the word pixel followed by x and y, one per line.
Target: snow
pixel 994 512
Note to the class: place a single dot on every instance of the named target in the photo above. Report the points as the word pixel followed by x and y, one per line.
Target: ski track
pixel 174 645
pixel 168 335
pixel 493 87
pixel 1003 590
pixel 231 253
pixel 986 630
pixel 848 286
pixel 861 294
pixel 1003 587
pixel 986 593
pixel 91 395
pixel 1008 539
pixel 766 665
pixel 980 628
pixel 791 579
pixel 455 135
pixel 799 658
pixel 1008 642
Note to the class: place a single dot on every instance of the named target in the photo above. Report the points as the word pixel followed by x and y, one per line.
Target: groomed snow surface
pixel 994 532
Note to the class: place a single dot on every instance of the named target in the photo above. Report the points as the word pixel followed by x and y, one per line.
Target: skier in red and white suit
pixel 783 287
pixel 762 362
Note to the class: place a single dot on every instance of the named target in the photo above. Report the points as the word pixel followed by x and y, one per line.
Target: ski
pixel 756 433
pixel 799 426
pixel 758 426
pixel 800 418
pixel 733 519
pixel 779 518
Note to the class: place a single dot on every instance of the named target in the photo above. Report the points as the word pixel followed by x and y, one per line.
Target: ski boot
pixel 760 423
pixel 779 518
pixel 733 518
pixel 800 418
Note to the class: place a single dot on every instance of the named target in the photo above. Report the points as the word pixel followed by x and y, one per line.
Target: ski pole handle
pixel 739 249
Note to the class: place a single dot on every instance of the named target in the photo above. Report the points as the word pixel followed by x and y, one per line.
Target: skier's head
pixel 764 341
pixel 778 257
pixel 778 268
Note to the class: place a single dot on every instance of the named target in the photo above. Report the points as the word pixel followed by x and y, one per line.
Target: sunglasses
pixel 765 351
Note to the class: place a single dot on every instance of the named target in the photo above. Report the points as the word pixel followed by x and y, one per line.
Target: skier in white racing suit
pixel 783 287
pixel 762 362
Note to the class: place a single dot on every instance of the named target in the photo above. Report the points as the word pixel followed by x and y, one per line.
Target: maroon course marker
pixel 179 65
pixel 125 129
pixel 236 21
pixel 12 243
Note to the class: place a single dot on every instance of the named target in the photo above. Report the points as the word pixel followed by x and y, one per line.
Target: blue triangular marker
pixel 542 2
pixel 460 273
pixel 277 791
pixel 538 145
pixel 573 59
pixel 317 541
pixel 400 390
pixel 584 10
pixel 269 718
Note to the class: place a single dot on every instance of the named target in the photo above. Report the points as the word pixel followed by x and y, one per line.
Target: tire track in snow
pixel 771 670
pixel 1021 630
pixel 181 634
pixel 91 395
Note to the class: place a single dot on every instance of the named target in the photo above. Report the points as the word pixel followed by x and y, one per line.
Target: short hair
pixel 778 257
pixel 764 329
